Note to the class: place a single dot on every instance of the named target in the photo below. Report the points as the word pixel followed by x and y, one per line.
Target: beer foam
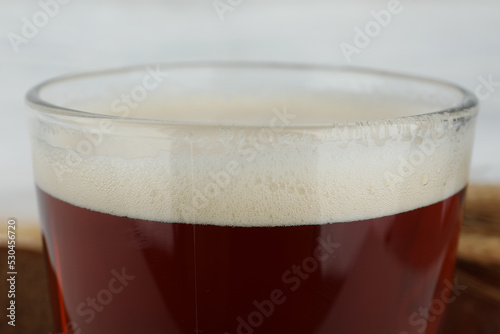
pixel 270 175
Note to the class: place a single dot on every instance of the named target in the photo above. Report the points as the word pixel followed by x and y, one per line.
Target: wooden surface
pixel 478 267
pixel 476 310
pixel 33 311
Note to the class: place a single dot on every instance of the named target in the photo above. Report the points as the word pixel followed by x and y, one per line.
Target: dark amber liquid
pixel 368 276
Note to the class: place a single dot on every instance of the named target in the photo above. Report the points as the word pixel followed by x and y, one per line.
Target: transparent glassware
pixel 244 197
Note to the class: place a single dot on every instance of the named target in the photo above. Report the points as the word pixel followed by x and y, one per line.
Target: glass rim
pixel 467 105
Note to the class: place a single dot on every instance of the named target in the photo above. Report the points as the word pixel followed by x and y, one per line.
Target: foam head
pixel 254 148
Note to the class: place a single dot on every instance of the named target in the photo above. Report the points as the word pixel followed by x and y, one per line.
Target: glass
pixel 250 198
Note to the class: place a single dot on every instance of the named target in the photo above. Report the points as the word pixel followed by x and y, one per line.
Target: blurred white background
pixel 453 40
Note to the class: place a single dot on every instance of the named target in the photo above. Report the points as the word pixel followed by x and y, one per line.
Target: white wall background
pixel 454 40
